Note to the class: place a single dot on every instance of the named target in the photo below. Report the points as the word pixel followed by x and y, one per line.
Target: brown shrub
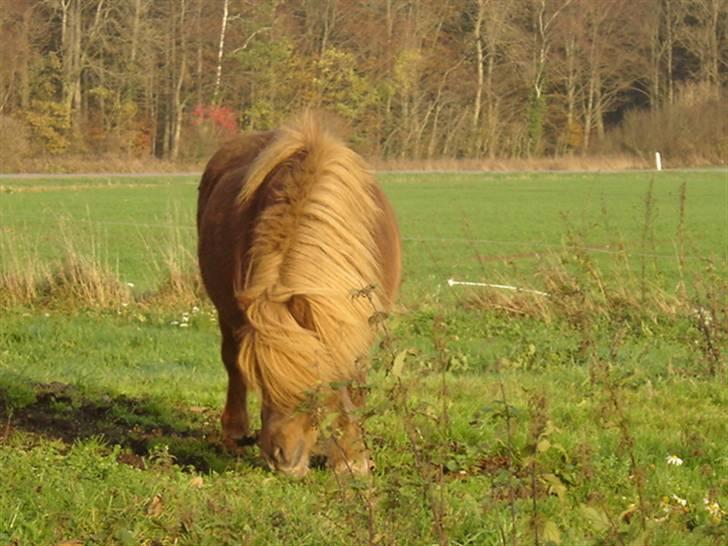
pixel 14 144
pixel 692 131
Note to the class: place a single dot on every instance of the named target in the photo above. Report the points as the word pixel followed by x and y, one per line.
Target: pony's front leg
pixel 346 450
pixel 235 415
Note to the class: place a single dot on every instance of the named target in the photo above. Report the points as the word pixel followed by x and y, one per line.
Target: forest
pixel 409 79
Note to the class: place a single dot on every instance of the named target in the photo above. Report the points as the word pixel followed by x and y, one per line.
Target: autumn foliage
pixel 464 79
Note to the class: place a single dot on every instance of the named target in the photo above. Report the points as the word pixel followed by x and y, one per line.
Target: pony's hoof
pixel 239 442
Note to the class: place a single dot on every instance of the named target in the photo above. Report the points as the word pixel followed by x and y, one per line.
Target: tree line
pixel 413 78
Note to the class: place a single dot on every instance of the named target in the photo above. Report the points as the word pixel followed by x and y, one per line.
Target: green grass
pixel 446 220
pixel 504 426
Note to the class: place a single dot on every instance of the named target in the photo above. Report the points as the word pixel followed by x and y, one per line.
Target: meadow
pixel 592 415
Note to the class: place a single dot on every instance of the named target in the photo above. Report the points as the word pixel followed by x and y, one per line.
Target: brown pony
pixel 298 249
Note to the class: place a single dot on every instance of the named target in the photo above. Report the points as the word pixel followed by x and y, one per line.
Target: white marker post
pixel 658 161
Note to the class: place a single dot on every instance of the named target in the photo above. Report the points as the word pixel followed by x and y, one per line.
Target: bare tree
pixel 82 23
pixel 705 36
pixel 607 38
pixel 16 50
pixel 547 14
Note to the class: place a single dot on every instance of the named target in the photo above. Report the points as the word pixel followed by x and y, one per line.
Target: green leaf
pixel 328 422
pixel 551 533
pixel 641 539
pixel 556 486
pixel 596 517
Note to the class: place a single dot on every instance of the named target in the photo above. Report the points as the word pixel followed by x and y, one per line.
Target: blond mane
pixel 313 249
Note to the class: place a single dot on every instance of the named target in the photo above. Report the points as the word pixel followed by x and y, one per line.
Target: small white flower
pixel 704 315
pixel 195 309
pixel 125 305
pixel 174 323
pixel 674 460
pixel 680 501
pixel 713 508
pixel 184 325
pixel 130 284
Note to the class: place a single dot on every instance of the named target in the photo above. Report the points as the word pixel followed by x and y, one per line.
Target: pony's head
pixel 288 438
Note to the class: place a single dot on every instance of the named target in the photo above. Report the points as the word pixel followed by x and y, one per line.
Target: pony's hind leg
pixel 235 415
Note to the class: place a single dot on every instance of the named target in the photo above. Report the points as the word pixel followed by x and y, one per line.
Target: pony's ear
pixel 301 312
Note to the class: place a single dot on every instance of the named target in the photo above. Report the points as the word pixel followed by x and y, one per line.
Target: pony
pixel 299 251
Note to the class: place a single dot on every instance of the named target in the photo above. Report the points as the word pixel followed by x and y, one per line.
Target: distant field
pixel 448 221
pixel 592 416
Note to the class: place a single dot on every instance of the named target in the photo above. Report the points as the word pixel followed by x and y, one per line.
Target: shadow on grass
pixel 140 425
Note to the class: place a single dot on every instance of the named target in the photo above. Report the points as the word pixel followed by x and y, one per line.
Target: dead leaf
pixel 398 364
pixel 155 507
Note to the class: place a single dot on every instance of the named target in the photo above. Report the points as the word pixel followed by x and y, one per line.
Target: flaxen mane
pixel 313 250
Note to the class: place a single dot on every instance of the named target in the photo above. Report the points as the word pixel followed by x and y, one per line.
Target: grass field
pixel 595 415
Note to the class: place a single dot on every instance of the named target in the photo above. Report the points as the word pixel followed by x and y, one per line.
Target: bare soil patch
pixel 62 412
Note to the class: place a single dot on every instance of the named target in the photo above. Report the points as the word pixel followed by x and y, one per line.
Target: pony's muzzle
pixel 294 464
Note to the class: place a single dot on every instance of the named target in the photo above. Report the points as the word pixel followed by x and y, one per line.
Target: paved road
pixel 46 176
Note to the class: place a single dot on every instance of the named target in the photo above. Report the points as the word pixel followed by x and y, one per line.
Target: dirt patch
pixel 62 412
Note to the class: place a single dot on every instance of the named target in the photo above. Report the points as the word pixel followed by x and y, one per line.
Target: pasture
pixel 594 415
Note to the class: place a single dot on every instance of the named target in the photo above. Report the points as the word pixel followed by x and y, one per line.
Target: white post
pixel 658 161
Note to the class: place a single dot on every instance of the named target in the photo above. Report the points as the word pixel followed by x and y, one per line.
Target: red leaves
pixel 221 118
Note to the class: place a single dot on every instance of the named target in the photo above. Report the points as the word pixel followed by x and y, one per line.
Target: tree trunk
pixel 220 52
pixel 589 111
pixel 598 108
pixel 492 108
pixel 713 61
pixel 477 102
pixel 25 63
pixel 177 104
pixel 200 46
pixel 657 48
pixel 136 21
pixel 669 46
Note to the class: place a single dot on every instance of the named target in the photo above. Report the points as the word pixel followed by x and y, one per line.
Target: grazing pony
pixel 298 250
